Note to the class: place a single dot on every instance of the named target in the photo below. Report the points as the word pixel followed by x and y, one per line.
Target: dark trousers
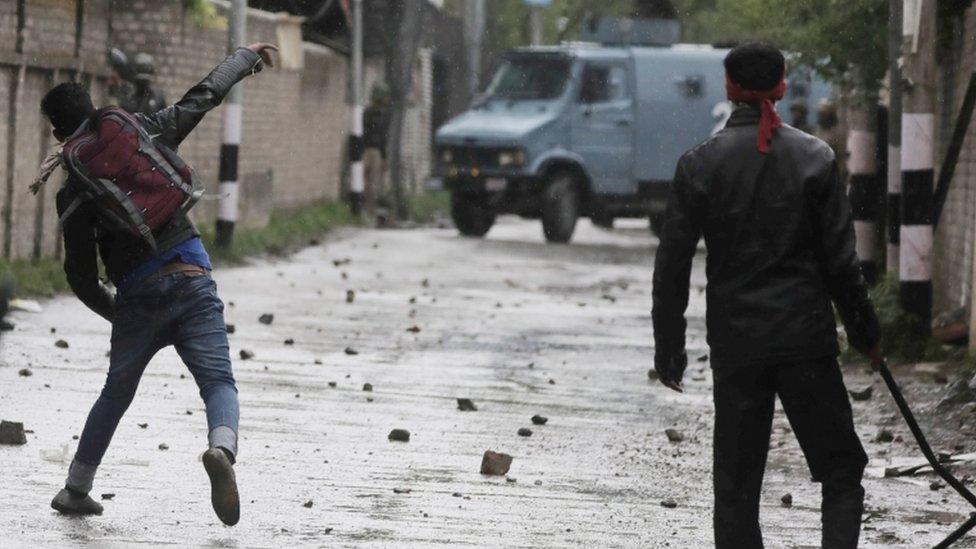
pixel 816 404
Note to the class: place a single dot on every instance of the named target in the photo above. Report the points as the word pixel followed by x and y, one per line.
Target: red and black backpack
pixel 136 183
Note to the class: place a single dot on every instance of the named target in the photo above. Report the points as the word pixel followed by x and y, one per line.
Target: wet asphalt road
pixel 518 326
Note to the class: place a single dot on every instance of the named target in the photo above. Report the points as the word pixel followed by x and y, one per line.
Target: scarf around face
pixel 769 120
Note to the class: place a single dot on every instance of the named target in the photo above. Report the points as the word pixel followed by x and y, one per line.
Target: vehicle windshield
pixel 530 78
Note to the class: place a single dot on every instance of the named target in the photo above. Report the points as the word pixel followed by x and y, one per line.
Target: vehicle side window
pixel 603 83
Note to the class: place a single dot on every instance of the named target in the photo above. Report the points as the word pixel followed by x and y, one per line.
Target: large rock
pixel 958 394
pixel 674 435
pixel 12 432
pixel 495 463
pixel 862 394
pixel 466 405
pixel 399 435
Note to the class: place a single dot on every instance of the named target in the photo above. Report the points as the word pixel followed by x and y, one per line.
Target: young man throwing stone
pixel 135 221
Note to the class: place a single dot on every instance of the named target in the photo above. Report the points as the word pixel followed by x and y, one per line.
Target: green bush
pixel 427 207
pixel 902 336
pixel 286 232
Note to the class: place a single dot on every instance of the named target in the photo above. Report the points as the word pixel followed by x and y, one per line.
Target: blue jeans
pixel 179 310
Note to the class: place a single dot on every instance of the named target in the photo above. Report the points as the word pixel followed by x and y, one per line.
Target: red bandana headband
pixel 769 121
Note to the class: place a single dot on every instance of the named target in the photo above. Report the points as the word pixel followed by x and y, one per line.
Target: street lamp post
pixel 229 188
pixel 357 183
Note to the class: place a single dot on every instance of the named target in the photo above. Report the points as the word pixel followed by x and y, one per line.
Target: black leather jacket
pixel 121 253
pixel 780 248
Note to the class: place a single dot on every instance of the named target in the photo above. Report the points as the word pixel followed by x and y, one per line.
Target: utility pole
pixel 229 181
pixel 865 192
pixel 474 30
pixel 356 175
pixel 894 133
pixel 536 23
pixel 535 19
pixel 918 160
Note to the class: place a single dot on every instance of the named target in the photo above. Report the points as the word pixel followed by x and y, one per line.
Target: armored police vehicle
pixel 583 130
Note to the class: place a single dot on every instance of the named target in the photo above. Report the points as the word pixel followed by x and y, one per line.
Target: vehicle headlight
pixel 446 155
pixel 511 158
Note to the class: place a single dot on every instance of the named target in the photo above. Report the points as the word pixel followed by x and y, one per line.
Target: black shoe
pixel 68 502
pixel 223 486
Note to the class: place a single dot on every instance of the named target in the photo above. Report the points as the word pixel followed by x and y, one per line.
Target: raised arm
pixel 174 123
pixel 831 211
pixel 672 273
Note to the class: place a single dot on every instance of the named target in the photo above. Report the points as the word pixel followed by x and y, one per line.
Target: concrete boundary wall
pixel 956 234
pixel 295 120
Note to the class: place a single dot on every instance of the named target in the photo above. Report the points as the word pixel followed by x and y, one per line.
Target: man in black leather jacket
pixel 164 297
pixel 777 226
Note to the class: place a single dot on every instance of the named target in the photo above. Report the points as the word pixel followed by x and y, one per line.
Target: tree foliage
pixel 204 14
pixel 846 40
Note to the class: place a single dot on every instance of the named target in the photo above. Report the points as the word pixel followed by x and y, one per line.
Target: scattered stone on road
pixel 163 446
pixel 351 352
pixel 787 500
pixel 399 435
pixel 703 358
pixel 414 329
pixel 884 435
pixel 674 435
pixel 402 490
pixel 247 354
pixel 350 296
pixel 653 375
pixel 495 463
pixel 143 425
pixel 539 420
pixel 12 432
pixel 308 504
pixel 231 328
pixel 368 387
pixel 609 426
pixel 466 405
pixel 289 341
pixel 61 344
pixel 862 394
pixel 25 372
pixel 332 384
pixel 266 318
pixel 669 504
pixel 108 496
pixel 936 485
pixel 524 432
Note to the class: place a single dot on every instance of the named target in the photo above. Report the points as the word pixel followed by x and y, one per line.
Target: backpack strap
pixel 134 214
pixel 74 205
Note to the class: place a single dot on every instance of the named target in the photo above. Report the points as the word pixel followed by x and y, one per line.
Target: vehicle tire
pixel 657 224
pixel 560 208
pixel 602 220
pixel 470 217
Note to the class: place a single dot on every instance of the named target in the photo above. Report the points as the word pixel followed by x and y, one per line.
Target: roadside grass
pixel 286 232
pixel 429 206
pixel 35 278
pixel 902 338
